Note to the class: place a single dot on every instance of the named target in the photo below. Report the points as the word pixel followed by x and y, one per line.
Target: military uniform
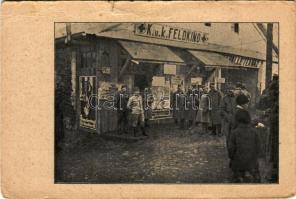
pixel 147 105
pixel 178 105
pixel 203 114
pixel 215 97
pixel 122 111
pixel 227 110
pixel 244 149
pixel 135 104
pixel 190 112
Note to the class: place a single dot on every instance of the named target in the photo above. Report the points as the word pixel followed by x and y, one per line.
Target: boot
pixel 190 124
pixel 214 128
pixel 143 131
pixel 182 124
pixel 146 122
pixel 205 128
pixel 219 132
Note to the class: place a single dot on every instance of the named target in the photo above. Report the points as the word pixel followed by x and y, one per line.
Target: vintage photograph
pixel 171 103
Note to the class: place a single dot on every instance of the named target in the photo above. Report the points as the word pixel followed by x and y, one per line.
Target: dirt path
pixel 167 156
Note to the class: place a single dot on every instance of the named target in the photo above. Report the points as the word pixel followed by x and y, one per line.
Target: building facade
pixel 93 64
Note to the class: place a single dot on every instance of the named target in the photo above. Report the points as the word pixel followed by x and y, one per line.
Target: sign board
pixel 158 81
pixel 177 80
pixel 107 90
pixel 106 70
pixel 161 101
pixel 221 80
pixel 88 113
pixel 169 69
pixel 196 81
pixel 166 32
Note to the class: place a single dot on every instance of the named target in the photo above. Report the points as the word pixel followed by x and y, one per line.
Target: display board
pixel 161 103
pixel 88 115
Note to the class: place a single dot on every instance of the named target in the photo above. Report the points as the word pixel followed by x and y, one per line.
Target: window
pixel 208 24
pixel 236 27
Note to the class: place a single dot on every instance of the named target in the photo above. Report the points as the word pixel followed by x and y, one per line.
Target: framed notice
pixel 161 101
pixel 88 115
pixel 196 81
pixel 169 69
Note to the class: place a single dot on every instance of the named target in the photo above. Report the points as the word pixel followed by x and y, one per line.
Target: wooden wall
pixel 92 55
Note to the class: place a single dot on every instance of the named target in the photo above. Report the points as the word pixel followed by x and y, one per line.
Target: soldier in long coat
pixel 244 149
pixel 215 97
pixel 204 110
pixel 227 110
pixel 190 112
pixel 269 101
pixel 178 102
pixel 148 101
pixel 122 111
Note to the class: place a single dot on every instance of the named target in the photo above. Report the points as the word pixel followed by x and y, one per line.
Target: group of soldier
pixel 134 111
pixel 199 105
pixel 207 107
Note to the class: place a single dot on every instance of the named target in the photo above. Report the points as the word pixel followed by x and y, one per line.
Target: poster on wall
pixel 175 81
pixel 87 86
pixel 170 69
pixel 106 90
pixel 196 81
pixel 161 101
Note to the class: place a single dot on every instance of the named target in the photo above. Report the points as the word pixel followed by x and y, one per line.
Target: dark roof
pixel 143 51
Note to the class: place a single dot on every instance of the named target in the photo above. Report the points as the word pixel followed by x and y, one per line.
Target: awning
pixel 149 52
pixel 213 59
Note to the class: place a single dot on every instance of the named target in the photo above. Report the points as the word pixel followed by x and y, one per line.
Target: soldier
pixel 196 97
pixel 227 110
pixel 245 92
pixel 269 102
pixel 215 97
pixel 148 101
pixel 238 89
pixel 244 149
pixel 135 104
pixel 203 114
pixel 175 103
pixel 190 111
pixel 122 111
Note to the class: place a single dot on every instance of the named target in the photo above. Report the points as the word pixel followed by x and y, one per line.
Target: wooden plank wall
pixel 107 119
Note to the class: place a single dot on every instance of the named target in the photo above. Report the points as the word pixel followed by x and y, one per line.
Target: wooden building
pixel 95 65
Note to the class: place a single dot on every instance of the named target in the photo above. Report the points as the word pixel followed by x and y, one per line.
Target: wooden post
pixel 73 77
pixel 269 43
pixel 124 67
pixel 219 76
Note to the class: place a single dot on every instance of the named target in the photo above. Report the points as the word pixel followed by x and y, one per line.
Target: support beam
pixel 264 32
pixel 190 71
pixel 124 67
pixel 269 44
